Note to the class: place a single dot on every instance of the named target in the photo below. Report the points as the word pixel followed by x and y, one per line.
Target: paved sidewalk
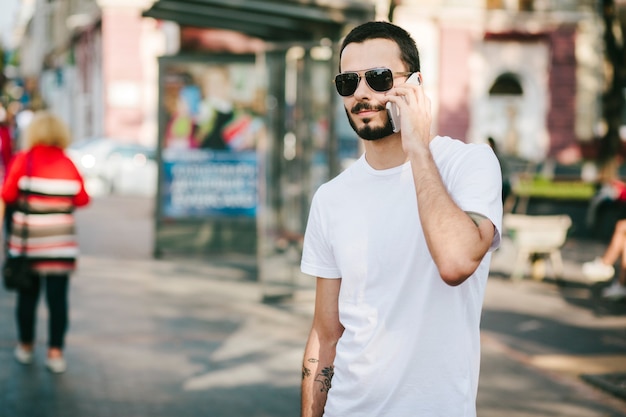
pixel 561 328
pixel 159 339
pixel 168 339
pixel 184 338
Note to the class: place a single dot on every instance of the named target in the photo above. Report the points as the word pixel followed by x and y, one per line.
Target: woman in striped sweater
pixel 43 186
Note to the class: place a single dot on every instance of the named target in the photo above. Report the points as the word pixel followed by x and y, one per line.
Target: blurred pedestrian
pixel 608 192
pixel 6 141
pixel 602 268
pixel 41 191
pixel 22 119
pixel 504 170
pixel 400 243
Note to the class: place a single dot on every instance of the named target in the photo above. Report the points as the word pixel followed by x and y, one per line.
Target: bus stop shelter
pixel 248 128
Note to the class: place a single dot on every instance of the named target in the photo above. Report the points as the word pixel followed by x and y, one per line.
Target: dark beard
pixel 367 132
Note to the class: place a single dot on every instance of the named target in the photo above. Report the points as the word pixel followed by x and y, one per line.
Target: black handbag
pixel 17 274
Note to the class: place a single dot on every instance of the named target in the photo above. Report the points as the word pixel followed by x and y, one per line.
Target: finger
pixel 401 96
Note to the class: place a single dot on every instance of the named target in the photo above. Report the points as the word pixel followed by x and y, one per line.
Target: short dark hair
pixel 385 30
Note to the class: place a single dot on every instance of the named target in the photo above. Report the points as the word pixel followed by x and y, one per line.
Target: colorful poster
pixel 213 125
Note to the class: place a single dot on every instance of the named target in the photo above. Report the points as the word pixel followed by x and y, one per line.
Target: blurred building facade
pixel 95 65
pixel 526 73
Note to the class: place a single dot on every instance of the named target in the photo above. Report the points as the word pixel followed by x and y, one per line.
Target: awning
pixel 269 20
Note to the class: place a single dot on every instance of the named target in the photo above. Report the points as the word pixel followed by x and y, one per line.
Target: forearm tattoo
pixel 306 371
pixel 476 217
pixel 324 377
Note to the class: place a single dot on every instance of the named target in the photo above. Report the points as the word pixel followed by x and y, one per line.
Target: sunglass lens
pixel 347 83
pixel 380 79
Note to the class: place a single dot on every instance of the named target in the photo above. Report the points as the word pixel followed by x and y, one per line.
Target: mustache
pixel 365 106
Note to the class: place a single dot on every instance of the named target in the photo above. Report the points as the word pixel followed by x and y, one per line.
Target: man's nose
pixel 362 89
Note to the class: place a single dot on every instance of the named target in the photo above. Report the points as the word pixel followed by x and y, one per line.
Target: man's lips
pixel 366 111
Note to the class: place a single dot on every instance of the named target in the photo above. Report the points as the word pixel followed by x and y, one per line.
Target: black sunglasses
pixel 379 79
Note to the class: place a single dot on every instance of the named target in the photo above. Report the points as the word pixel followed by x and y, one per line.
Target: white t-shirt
pixel 411 343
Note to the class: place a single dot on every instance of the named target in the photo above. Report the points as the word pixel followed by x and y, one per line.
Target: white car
pixel 112 166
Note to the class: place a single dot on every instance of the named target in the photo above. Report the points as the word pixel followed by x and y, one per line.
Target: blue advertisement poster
pixel 209 184
pixel 214 122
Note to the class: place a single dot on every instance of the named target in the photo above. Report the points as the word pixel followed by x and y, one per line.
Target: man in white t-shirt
pixel 400 243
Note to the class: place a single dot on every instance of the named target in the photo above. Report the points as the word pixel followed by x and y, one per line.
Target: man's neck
pixel 385 153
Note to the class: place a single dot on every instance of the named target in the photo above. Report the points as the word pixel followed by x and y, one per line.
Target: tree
pixel 613 100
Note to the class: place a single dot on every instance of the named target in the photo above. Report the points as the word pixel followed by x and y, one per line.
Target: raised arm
pixel 319 354
pixel 457 240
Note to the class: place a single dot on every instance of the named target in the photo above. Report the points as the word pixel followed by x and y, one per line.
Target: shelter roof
pixel 269 20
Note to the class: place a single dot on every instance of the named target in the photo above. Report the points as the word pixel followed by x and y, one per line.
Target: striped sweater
pixel 53 189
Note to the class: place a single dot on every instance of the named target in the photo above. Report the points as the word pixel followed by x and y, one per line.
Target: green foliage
pixel 545 188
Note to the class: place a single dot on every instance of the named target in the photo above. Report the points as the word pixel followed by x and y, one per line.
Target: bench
pixel 535 236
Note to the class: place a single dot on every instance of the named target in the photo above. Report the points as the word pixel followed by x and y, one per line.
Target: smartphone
pixel 392 109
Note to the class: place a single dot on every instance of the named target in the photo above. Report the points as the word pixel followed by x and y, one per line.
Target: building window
pixel 526 5
pixel 522 5
pixel 494 4
pixel 506 84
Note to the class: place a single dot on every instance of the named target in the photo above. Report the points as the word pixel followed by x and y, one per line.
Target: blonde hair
pixel 47 129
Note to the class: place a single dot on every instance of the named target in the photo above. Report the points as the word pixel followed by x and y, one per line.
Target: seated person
pixel 601 269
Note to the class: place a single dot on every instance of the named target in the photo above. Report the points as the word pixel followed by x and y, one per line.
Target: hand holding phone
pixel 392 109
